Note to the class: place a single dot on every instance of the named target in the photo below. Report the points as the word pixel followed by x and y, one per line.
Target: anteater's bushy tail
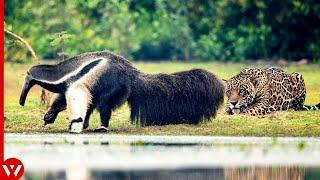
pixel 183 97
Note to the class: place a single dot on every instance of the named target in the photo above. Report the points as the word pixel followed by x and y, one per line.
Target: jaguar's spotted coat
pixel 262 91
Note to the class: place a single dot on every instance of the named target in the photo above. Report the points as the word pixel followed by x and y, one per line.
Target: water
pixel 65 156
pixel 282 173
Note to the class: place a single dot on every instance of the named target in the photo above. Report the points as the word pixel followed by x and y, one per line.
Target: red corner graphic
pixel 11 169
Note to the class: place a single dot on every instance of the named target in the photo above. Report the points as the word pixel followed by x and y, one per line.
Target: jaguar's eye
pixel 228 92
pixel 242 92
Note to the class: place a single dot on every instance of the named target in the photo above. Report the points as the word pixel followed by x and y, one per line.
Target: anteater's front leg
pixel 57 104
pixel 78 102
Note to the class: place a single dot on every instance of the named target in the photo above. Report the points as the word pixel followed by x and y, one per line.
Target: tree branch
pixel 45 97
pixel 25 42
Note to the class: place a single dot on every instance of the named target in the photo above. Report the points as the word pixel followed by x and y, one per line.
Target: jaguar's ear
pixel 255 82
pixel 225 82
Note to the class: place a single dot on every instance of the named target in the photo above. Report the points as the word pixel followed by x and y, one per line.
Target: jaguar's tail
pixel 311 108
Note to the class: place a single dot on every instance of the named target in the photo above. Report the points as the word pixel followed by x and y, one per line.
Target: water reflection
pixel 125 157
pixel 234 173
pixel 291 173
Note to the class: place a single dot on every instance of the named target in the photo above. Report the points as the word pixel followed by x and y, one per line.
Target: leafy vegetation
pixel 286 123
pixel 164 29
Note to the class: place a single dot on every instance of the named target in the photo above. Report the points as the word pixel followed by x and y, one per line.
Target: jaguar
pixel 258 92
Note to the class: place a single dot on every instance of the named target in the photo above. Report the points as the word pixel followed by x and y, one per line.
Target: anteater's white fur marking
pixel 78 95
pixel 73 73
pixel 77 101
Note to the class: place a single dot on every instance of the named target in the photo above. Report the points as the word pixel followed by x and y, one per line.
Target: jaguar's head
pixel 240 92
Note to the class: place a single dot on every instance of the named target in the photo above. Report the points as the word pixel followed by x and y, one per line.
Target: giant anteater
pixel 104 81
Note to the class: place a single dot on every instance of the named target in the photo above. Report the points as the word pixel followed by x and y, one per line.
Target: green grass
pixel 286 123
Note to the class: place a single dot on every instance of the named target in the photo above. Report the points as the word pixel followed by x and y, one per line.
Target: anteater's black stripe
pixel 84 71
pixel 63 86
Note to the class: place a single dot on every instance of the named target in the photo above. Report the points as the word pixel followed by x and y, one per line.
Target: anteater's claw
pixel 101 129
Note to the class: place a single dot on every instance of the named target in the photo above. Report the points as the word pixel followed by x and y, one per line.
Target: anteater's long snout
pixel 28 84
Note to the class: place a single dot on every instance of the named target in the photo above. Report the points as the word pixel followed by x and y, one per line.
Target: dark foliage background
pixel 221 30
